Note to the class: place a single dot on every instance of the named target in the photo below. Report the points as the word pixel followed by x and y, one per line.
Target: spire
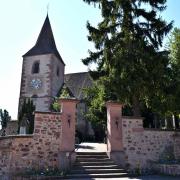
pixel 45 43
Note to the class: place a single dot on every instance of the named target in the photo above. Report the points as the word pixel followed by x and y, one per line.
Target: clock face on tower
pixel 36 83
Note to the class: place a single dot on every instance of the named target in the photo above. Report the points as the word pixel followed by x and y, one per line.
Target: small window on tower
pixel 35 68
pixel 57 72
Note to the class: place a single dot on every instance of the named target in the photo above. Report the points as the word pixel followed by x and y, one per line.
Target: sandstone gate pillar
pixel 67 142
pixel 114 132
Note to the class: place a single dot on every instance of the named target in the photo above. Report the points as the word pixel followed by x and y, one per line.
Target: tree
pixel 174 47
pixel 95 100
pixel 130 66
pixel 173 89
pixel 4 118
pixel 27 114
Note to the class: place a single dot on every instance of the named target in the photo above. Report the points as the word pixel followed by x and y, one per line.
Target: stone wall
pixel 132 146
pixel 51 145
pixel 12 127
pixel 39 150
pixel 143 146
pixel 13 151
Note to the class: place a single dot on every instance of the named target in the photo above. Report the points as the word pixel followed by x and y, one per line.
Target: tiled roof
pixel 45 43
pixel 76 82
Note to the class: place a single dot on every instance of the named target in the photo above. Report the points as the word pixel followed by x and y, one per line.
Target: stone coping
pixel 113 103
pixel 156 129
pixel 16 136
pixel 132 117
pixel 68 100
pixel 48 112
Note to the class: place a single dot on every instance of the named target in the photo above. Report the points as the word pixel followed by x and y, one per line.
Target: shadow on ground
pixel 79 146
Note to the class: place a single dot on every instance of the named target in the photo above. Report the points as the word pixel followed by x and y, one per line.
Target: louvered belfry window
pixel 35 68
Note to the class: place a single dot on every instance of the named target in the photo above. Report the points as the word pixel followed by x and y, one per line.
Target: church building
pixel 43 77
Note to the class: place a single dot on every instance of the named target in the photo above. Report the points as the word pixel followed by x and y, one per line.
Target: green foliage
pixel 4 118
pixel 65 93
pixel 127 41
pixel 174 47
pixel 168 103
pixel 27 114
pixel 173 90
pixel 55 106
pixel 95 100
pixel 138 169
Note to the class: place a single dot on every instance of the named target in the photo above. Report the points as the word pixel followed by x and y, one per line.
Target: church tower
pixel 42 70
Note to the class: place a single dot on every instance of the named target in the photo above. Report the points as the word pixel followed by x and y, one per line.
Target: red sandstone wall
pixel 142 146
pixel 54 136
pixel 40 150
pixel 5 145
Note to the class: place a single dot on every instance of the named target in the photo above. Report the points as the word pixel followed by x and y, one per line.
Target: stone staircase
pixel 95 165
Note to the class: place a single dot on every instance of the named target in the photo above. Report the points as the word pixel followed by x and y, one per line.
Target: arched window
pixel 57 71
pixel 35 68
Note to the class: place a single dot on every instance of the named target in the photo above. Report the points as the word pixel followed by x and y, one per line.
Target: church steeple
pixel 42 71
pixel 45 43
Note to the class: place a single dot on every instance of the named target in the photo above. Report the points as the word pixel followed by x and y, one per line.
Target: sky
pixel 21 22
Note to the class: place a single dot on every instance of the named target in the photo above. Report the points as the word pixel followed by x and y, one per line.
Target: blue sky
pixel 21 21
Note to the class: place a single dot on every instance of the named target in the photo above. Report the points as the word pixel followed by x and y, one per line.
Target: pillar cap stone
pixel 47 112
pixel 68 100
pixel 113 103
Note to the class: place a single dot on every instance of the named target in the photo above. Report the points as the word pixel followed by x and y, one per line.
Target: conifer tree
pixel 27 113
pixel 4 118
pixel 127 40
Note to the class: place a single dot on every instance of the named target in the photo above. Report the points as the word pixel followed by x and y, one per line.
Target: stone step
pixel 105 175
pixel 96 171
pixel 95 166
pixel 92 156
pixel 91 153
pixel 92 159
pixel 99 163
